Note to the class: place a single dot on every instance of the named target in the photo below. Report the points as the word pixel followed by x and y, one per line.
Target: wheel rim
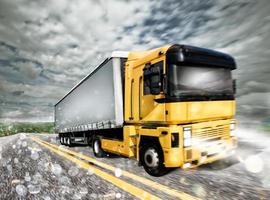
pixel 151 158
pixel 68 141
pixel 96 146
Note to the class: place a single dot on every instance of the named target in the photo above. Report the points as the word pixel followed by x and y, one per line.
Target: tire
pixel 96 145
pixel 61 138
pixel 64 140
pixel 69 141
pixel 152 160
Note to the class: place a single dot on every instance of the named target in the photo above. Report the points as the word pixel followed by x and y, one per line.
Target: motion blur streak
pixel 141 194
pixel 142 180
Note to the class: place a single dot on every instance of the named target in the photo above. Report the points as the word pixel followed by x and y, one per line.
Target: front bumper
pixel 207 152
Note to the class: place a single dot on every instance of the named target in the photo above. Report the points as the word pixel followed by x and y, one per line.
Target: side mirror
pixel 234 86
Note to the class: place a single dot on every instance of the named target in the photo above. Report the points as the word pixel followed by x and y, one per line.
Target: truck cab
pixel 179 101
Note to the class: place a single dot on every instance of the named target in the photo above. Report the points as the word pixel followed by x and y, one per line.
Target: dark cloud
pixel 17 93
pixel 9 47
pixel 46 47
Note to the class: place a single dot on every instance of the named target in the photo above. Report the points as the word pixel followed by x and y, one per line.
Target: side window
pixel 152 78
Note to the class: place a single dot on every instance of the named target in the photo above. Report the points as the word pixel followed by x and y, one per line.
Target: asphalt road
pixel 30 170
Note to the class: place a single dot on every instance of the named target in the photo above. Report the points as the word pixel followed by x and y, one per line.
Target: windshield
pixel 190 82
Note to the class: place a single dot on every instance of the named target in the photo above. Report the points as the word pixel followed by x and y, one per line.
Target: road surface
pixel 36 166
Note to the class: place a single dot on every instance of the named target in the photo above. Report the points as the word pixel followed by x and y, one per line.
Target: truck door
pixel 150 86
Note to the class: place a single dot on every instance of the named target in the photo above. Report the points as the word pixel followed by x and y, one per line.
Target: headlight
pixel 187 142
pixel 187 132
pixel 232 126
pixel 232 129
pixel 187 136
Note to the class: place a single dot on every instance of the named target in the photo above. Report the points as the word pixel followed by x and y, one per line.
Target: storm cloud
pixel 46 47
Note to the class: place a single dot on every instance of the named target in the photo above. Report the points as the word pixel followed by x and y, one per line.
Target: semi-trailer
pixel 172 106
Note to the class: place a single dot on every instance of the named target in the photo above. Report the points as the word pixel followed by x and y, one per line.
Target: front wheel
pixel 153 160
pixel 97 149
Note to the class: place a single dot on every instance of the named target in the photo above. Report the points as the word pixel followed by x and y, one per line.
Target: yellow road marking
pixel 141 194
pixel 145 181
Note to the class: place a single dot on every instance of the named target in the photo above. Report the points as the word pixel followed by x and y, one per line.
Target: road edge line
pixel 145 181
pixel 137 192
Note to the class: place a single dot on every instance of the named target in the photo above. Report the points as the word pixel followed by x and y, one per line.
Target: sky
pixel 46 47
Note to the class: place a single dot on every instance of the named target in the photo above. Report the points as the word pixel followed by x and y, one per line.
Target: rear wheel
pixel 97 149
pixel 153 160
pixel 64 140
pixel 69 141
pixel 61 140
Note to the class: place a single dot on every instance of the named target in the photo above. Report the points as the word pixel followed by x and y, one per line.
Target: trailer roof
pixel 119 54
pixel 115 54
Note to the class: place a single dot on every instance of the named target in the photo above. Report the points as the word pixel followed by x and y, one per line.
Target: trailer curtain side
pixel 95 103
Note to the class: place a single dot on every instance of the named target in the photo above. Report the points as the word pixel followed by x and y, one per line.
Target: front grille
pixel 209 133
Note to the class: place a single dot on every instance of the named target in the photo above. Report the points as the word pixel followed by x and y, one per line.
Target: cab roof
pixel 189 55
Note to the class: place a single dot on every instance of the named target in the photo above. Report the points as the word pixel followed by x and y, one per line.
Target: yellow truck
pixel 172 106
